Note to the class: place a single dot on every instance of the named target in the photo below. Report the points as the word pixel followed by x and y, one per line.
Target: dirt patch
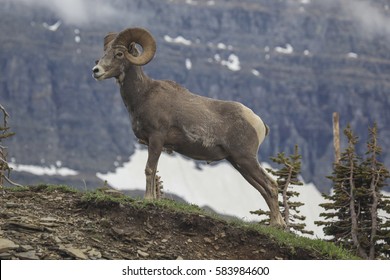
pixel 40 224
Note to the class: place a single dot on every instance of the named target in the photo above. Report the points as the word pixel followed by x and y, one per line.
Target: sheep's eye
pixel 119 54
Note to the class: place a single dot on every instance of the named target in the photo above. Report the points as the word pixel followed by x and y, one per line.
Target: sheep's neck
pixel 133 85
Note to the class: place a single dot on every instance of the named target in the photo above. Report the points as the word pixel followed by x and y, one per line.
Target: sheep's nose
pixel 95 70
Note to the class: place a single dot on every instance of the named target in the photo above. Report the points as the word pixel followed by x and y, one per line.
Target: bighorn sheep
pixel 166 115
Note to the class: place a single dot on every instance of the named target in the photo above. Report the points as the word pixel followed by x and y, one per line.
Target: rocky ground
pixel 54 223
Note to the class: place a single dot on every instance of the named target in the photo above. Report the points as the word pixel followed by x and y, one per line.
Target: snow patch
pixel 191 2
pixel 53 27
pixel 255 72
pixel 352 55
pixel 287 50
pixel 177 40
pixel 188 64
pixel 233 63
pixel 41 170
pixel 221 46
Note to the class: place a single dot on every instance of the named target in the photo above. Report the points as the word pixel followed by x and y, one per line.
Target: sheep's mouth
pixel 98 76
pixel 98 72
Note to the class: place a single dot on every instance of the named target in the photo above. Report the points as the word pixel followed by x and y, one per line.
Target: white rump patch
pixel 255 122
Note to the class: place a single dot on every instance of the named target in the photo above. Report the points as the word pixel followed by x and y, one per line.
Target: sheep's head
pixel 120 52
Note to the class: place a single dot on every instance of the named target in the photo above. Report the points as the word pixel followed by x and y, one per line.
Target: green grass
pixel 99 195
pixel 283 238
pixel 294 241
pixel 173 206
pixel 43 187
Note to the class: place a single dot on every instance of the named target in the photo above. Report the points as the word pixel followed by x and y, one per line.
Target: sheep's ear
pixel 108 39
pixel 133 49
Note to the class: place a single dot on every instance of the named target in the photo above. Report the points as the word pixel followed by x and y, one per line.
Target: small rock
pixel 6 245
pixel 179 258
pixel 48 219
pixel 94 254
pixel 144 249
pixel 73 252
pixel 30 255
pixel 142 254
pixel 278 258
pixel 5 256
pixel 57 239
pixel 118 231
pixel 164 240
pixel 11 205
pixel 48 224
pixel 23 227
pixel 207 240
pixel 26 248
pixel 189 240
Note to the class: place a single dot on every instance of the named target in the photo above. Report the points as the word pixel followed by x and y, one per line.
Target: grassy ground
pixel 187 230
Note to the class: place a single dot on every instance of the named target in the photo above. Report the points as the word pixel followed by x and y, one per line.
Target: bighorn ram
pixel 166 115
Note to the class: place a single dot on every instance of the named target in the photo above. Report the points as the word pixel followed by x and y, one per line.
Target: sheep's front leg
pixel 154 151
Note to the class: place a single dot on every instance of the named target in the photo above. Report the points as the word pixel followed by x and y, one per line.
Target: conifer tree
pixel 4 133
pixel 287 177
pixel 351 216
pixel 374 175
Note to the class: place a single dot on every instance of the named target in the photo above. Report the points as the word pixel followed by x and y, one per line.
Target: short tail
pixel 267 130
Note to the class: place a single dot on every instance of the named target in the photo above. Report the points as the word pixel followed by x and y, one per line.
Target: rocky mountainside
pixel 294 62
pixel 49 222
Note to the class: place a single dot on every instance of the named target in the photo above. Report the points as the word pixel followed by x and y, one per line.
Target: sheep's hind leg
pixel 251 170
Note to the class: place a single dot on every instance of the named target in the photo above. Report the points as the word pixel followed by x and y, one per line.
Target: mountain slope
pixel 55 222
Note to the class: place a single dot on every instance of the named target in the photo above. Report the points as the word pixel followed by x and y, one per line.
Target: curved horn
pixel 108 39
pixel 141 37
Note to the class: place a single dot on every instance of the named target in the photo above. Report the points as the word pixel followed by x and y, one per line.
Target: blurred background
pixel 294 62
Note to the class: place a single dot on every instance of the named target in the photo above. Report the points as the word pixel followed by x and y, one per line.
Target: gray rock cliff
pixel 292 62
